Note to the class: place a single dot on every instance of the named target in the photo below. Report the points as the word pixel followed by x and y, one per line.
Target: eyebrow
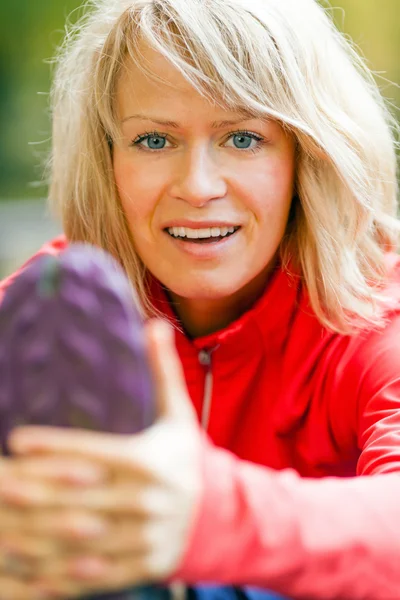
pixel 174 125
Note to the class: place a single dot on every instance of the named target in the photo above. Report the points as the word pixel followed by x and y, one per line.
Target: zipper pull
pixel 205 358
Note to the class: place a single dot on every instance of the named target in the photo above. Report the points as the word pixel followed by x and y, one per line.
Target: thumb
pixel 172 395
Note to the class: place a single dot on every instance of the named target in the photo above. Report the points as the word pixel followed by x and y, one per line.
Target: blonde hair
pixel 279 58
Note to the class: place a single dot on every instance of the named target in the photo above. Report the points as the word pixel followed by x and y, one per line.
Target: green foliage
pixel 374 28
pixel 31 30
pixel 29 35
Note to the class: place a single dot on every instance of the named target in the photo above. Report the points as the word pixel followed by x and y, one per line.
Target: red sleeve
pixel 53 247
pixel 379 403
pixel 311 538
pixel 305 538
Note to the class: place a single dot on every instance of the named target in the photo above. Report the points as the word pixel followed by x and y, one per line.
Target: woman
pixel 237 159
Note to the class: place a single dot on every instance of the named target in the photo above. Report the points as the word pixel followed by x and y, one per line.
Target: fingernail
pixel 85 527
pixel 88 475
pixel 88 568
pixel 93 527
pixel 42 594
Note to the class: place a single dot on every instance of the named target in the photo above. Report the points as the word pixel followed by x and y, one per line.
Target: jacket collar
pixel 267 321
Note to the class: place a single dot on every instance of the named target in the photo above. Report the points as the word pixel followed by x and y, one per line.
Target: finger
pixel 122 572
pixel 69 523
pixel 48 538
pixel 123 536
pixel 27 494
pixel 109 449
pixel 78 569
pixel 49 589
pixel 172 394
pixel 11 518
pixel 129 498
pixel 11 589
pixel 17 567
pixel 60 469
pixel 93 574
pixel 27 548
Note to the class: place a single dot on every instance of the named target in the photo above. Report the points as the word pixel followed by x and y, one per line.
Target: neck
pixel 202 316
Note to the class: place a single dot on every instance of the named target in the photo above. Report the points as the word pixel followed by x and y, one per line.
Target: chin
pixel 203 290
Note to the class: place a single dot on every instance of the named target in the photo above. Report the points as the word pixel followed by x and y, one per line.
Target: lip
pixel 209 251
pixel 199 224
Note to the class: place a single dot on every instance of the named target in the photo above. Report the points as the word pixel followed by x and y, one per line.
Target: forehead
pixel 157 73
pixel 160 85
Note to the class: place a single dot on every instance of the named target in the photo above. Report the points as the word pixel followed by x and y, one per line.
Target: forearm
pixel 328 538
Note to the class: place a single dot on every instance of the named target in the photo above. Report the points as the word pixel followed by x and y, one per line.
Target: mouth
pixel 209 235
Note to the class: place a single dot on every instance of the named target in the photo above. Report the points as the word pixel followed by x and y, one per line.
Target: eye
pixel 156 142
pixel 151 141
pixel 244 140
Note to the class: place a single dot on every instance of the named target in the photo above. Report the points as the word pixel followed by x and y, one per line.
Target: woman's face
pixel 206 191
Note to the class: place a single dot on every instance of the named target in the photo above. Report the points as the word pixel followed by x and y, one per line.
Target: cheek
pixel 272 192
pixel 137 190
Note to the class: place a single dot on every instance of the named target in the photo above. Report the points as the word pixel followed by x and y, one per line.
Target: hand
pixel 144 502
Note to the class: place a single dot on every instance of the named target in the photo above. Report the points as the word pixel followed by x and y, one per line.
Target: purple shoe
pixel 72 353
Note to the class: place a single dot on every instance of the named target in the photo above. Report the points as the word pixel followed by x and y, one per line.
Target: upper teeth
pixel 200 233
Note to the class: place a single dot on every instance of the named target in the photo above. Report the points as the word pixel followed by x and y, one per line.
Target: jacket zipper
pixel 178 590
pixel 205 361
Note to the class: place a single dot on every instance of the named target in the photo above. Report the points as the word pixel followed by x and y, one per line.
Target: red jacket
pixel 293 413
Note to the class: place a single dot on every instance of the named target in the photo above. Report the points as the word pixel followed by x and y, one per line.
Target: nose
pixel 199 178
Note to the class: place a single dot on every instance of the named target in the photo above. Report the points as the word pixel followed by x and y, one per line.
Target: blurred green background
pixel 30 31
